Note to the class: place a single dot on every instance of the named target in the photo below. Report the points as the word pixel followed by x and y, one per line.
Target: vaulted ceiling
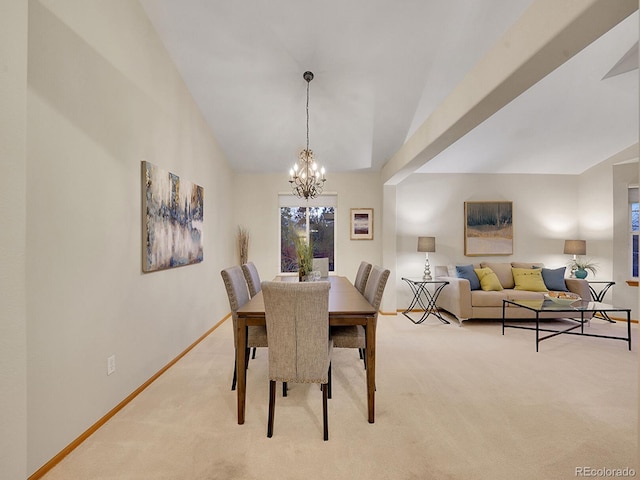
pixel 383 67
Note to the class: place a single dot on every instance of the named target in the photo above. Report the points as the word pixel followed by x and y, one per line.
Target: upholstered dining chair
pixel 253 282
pixel 236 286
pixel 321 265
pixel 362 275
pixel 252 277
pixel 297 318
pixel 353 336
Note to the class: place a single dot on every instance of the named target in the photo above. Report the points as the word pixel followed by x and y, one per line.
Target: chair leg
pixel 364 357
pixel 272 407
pixel 246 358
pixel 329 387
pixel 235 373
pixel 254 353
pixel 360 351
pixel 285 389
pixel 324 411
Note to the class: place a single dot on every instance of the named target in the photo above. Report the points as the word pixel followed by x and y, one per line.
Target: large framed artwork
pixel 362 224
pixel 488 228
pixel 173 217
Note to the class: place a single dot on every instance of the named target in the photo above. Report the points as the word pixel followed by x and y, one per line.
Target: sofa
pixel 467 298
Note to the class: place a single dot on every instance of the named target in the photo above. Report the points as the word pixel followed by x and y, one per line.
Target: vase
pixel 302 275
pixel 580 273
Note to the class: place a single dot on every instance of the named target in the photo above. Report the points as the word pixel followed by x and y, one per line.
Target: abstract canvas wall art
pixel 173 218
pixel 488 228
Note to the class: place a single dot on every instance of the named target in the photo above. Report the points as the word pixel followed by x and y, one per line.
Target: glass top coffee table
pixel 575 312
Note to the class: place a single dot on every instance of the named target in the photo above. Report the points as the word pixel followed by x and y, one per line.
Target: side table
pixel 598 295
pixel 425 298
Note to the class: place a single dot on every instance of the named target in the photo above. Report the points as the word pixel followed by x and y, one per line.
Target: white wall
pixel 13 332
pixel 544 216
pixel 623 294
pixel 103 96
pixel 255 202
pixel 547 210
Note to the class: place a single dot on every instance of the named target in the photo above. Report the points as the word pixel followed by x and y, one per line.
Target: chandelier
pixel 305 178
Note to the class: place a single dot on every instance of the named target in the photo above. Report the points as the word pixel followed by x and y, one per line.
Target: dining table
pixel 347 306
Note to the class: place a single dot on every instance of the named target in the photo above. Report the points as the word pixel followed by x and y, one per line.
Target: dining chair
pixel 253 282
pixel 297 318
pixel 362 275
pixel 238 294
pixel 354 336
pixel 252 277
pixel 321 265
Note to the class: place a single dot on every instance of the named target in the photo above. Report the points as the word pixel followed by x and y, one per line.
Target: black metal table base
pixel 580 323
pixel 428 305
pixel 599 297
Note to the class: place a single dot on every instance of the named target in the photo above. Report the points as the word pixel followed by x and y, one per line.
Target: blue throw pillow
pixel 466 271
pixel 554 279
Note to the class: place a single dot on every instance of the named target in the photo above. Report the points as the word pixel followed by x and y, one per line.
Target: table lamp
pixel 426 245
pixel 575 247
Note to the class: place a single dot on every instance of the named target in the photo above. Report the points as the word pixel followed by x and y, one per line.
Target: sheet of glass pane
pixel 321 232
pixel 634 257
pixel 293 223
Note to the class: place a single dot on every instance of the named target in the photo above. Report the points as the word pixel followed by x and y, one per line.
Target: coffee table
pixel 574 312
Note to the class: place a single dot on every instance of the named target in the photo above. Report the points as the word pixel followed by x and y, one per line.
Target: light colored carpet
pixel 451 403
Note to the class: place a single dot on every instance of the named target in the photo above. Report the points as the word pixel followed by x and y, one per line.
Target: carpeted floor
pixel 451 403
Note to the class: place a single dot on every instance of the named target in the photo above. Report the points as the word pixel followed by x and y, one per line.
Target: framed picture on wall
pixel 173 219
pixel 362 224
pixel 488 228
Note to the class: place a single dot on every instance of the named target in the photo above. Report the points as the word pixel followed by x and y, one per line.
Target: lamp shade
pixel 426 244
pixel 575 247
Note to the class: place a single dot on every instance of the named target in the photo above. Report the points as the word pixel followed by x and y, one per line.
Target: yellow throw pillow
pixel 488 279
pixel 529 279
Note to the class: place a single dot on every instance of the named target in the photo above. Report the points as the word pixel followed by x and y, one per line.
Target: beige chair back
pixel 321 265
pixel 362 275
pixel 237 292
pixel 375 286
pixel 253 279
pixel 297 317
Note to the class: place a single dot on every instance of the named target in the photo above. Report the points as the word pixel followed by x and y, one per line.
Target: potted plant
pixel 304 252
pixel 580 266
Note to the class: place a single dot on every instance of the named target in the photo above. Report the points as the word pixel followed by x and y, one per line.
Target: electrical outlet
pixel 111 364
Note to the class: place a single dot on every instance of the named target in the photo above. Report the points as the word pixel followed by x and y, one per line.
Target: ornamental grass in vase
pixel 243 245
pixel 580 266
pixel 304 252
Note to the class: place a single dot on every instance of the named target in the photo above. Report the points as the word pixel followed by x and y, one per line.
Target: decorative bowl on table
pixel 562 298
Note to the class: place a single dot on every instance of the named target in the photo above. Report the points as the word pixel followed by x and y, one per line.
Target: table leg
pixel 370 339
pixel 432 308
pixel 416 300
pixel 537 330
pixel 241 387
pixel 599 297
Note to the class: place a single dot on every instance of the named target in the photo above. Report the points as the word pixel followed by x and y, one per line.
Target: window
pixel 634 217
pixel 314 221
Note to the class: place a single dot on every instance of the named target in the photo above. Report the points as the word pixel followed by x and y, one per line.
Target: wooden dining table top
pixel 344 299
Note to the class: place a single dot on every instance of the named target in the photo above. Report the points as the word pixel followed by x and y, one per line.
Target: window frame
pixel 634 234
pixel 325 200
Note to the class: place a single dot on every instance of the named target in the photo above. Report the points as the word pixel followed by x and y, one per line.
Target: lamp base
pixel 427 268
